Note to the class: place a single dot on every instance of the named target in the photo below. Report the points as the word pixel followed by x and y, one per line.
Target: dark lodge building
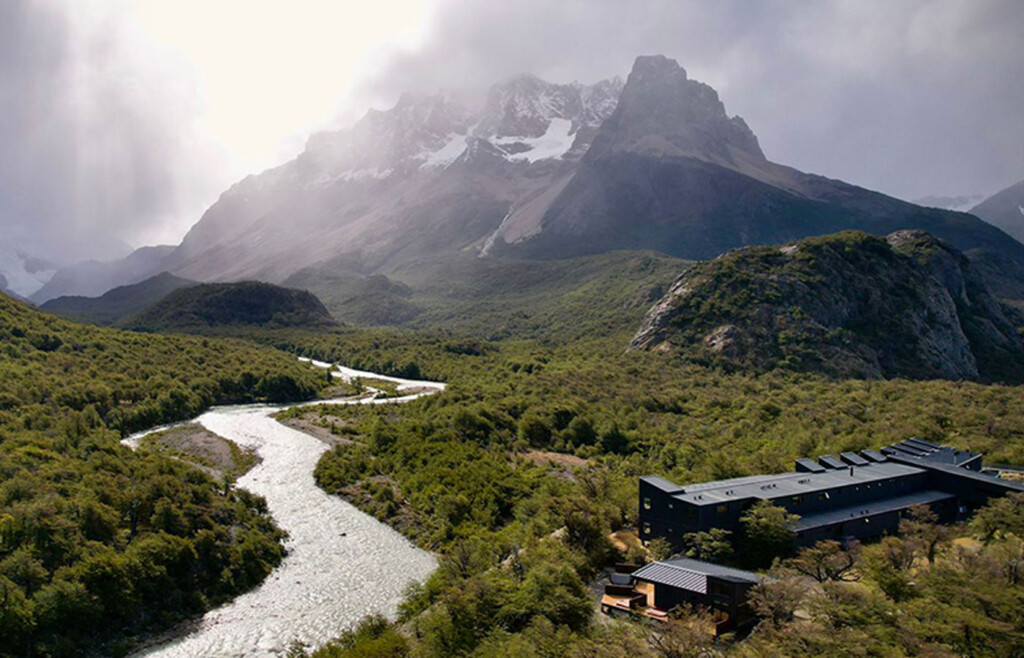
pixel 855 495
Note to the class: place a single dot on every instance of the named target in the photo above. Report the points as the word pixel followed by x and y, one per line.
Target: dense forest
pixel 99 544
pixel 520 472
pixel 521 477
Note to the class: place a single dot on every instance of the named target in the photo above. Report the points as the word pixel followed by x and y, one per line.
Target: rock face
pixel 670 170
pixel 848 304
pixel 435 173
pixel 537 170
pixel 1005 210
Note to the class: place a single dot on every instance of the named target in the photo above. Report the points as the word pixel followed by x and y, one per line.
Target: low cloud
pixel 912 98
pixel 98 130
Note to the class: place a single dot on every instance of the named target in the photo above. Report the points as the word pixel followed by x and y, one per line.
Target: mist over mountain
pixel 1004 209
pixel 91 278
pixel 961 203
pixel 539 170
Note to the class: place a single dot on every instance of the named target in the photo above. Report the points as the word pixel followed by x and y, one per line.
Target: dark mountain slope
pixel 118 304
pixel 669 170
pixel 244 303
pixel 1005 210
pixel 372 300
pixel 540 171
pixel 848 304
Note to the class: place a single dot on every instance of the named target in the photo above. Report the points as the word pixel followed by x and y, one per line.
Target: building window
pixel 647 503
pixel 721 509
pixel 797 500
pixel 647 528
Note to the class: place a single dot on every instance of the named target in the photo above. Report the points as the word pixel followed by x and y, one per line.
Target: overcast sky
pixel 132 116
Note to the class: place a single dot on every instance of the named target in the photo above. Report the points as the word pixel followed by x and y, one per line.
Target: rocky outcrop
pixel 848 304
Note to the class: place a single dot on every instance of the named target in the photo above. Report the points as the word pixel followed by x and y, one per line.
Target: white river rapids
pixel 341 565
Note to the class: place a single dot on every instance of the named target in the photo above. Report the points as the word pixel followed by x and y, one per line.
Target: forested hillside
pixel 228 304
pixel 519 473
pixel 99 544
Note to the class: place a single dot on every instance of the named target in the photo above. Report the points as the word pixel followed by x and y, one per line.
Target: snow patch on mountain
pixel 447 154
pixel 554 143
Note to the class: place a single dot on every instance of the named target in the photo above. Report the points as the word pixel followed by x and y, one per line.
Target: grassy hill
pixel 228 304
pixel 99 544
pixel 119 304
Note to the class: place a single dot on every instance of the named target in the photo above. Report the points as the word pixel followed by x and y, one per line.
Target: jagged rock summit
pixel 539 170
pixel 850 304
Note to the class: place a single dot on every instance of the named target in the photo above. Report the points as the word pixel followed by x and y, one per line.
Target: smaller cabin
pixel 658 588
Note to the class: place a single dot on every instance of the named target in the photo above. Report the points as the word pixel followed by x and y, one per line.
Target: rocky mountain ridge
pixel 850 304
pixel 538 170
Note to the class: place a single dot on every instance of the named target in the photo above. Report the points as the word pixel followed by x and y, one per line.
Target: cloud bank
pixel 101 129
pixel 911 98
pixel 98 133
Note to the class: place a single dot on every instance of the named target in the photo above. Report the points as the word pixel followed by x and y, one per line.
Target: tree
pixel 15 617
pixel 921 526
pixel 613 440
pixel 689 633
pixel 825 561
pixel 659 548
pixel 553 591
pixel 767 532
pixel 581 432
pixel 1009 555
pixel 1003 515
pixel 712 545
pixel 777 598
pixel 889 563
pixel 534 431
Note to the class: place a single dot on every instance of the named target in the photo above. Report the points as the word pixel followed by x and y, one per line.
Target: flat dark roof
pixel 870 509
pixel 770 487
pixel 959 471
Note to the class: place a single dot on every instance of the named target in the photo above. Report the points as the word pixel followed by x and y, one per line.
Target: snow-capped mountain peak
pixel 525 119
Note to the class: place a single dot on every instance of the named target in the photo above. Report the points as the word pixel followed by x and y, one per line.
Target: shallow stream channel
pixel 342 564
